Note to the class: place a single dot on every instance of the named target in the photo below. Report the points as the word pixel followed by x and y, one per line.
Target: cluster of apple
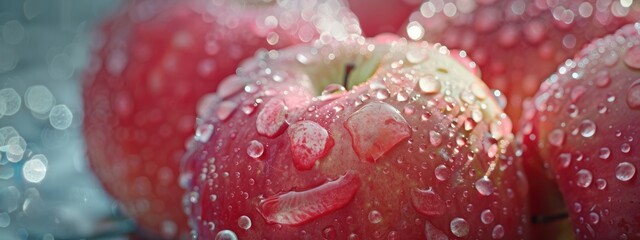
pixel 314 120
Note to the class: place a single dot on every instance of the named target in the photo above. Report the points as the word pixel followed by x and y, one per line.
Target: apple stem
pixel 347 70
pixel 541 219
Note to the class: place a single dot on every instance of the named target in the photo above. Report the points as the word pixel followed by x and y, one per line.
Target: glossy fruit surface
pixel 518 44
pixel 583 126
pixel 371 139
pixel 152 61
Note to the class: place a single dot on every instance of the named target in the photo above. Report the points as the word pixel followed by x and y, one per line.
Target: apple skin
pixel 151 63
pixel 402 154
pixel 382 16
pixel 580 129
pixel 517 44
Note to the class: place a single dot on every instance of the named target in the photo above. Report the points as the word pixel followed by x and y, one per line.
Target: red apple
pixel 372 139
pixel 516 43
pixel 582 127
pixel 382 16
pixel 153 60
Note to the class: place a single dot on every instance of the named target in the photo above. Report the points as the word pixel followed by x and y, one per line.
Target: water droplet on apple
pixel 442 172
pixel 484 186
pixel 203 132
pixel 625 171
pixel 225 109
pixel 433 233
pixel 604 153
pixel 255 149
pixel 486 216
pixel 564 159
pixel 556 137
pixel 309 143
pixel 459 227
pixel 375 217
pixel 603 79
pixel 226 235
pixel 498 232
pixel 435 138
pixel 587 128
pixel 583 178
pixel 427 202
pixel 375 129
pixel 416 56
pixel 633 95
pixel 632 57
pixel 271 120
pixel 601 183
pixel 429 84
pixel 333 89
pixel 381 94
pixel 625 148
pixel 297 207
pixel 577 92
pixel 244 222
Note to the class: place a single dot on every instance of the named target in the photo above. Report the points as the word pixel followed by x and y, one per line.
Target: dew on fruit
pixel 10 102
pixel 625 171
pixel 429 84
pixel 329 233
pixel 498 232
pixel 459 227
pixel 435 138
pixel 416 56
pixel 632 57
pixel 381 94
pixel 226 235
pixel 427 202
pixel 625 148
pixel 271 120
pixel 333 89
pixel 486 216
pixel 484 186
pixel 35 169
pixel 255 149
pixel 587 128
pixel 556 137
pixel 309 143
pixel 225 109
pixel 297 207
pixel 577 92
pixel 633 95
pixel 375 129
pixel 564 159
pixel 244 222
pixel 433 233
pixel 203 132
pixel 577 207
pixel 601 184
pixel 374 216
pixel 604 153
pixel 583 178
pixel 442 172
pixel 594 218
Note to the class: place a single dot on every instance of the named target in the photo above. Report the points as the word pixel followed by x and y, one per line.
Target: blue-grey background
pixel 43 50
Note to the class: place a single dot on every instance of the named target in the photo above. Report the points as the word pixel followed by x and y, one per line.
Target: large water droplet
pixel 484 186
pixel 633 95
pixel 435 138
pixel 584 178
pixel 632 57
pixel 244 222
pixel 375 129
pixel 459 227
pixel 587 128
pixel 309 143
pixel 433 233
pixel 442 172
pixel 427 202
pixel 226 235
pixel 374 217
pixel 625 171
pixel 486 216
pixel 203 132
pixel 255 149
pixel 294 208
pixel 271 120
pixel 604 153
pixel 498 232
pixel 429 84
pixel 556 137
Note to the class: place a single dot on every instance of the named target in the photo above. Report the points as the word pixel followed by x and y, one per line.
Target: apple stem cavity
pixel 347 71
pixel 542 219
